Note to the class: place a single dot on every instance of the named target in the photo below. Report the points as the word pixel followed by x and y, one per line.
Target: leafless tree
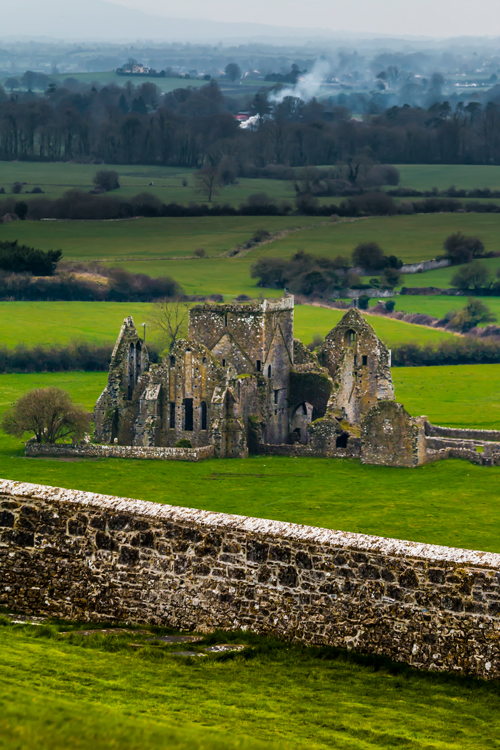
pixel 207 181
pixel 169 318
pixel 49 413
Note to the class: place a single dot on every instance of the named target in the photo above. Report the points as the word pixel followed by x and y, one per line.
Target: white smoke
pixel 307 87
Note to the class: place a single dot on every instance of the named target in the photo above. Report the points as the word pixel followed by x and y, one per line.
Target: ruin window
pixel 204 360
pixel 269 371
pixel 365 360
pixel 131 371
pixel 225 321
pixel 171 422
pixel 188 414
pixel 276 396
pixel 203 416
pixel 351 337
pixel 172 361
pixel 259 365
pixel 342 440
pixel 223 363
pixel 138 360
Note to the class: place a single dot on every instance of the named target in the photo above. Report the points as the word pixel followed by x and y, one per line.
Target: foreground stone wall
pixel 80 555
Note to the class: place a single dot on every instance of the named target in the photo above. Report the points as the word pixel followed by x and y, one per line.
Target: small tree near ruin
pixel 169 318
pixel 49 413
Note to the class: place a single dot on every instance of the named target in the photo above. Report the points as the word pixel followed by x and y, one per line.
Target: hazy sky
pixel 408 17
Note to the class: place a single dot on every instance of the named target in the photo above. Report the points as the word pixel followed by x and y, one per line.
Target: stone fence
pixel 90 450
pixel 84 556
pixel 425 265
pixel 433 430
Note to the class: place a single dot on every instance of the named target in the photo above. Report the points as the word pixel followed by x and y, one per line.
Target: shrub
pixel 474 313
pixel 363 302
pixel 107 179
pixel 23 259
pixel 390 305
pixel 458 351
pixel 184 443
pixel 200 252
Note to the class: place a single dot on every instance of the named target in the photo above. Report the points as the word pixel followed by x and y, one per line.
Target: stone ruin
pixel 241 383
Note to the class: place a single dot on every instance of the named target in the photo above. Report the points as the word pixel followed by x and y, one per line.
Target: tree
pixel 392 276
pixel 472 276
pixel 169 318
pixel 107 179
pixel 461 249
pixel 11 84
pixel 368 255
pixel 233 71
pixel 474 313
pixel 207 181
pixel 49 413
pixel 21 210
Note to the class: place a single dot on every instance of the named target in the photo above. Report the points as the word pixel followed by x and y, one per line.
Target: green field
pixel 48 323
pixel 59 692
pixel 164 246
pixel 463 176
pixel 450 502
pixel 54 178
pixel 439 305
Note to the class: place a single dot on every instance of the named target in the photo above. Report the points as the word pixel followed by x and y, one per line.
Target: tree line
pixel 190 126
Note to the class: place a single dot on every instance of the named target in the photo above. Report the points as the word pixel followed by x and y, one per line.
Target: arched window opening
pixel 351 338
pixel 269 371
pixel 138 361
pixel 259 365
pixel 223 363
pixel 204 360
pixel 171 422
pixel 188 414
pixel 203 416
pixel 172 361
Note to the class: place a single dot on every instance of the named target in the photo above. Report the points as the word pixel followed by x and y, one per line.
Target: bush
pixel 184 443
pixel 474 313
pixel 200 252
pixel 107 179
pixel 22 259
pixel 461 249
pixel 390 305
pixel 368 255
pixel 363 302
pixel 459 351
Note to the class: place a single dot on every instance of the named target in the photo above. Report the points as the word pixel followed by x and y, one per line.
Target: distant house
pixel 137 69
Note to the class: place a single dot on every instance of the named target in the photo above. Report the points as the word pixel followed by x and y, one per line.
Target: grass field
pixel 450 502
pixel 439 305
pixel 62 692
pixel 56 177
pixel 163 246
pixel 47 323
pixel 442 176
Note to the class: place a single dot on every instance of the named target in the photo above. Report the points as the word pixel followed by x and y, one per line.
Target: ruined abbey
pixel 242 382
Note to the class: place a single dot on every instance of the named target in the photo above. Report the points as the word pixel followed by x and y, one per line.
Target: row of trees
pixel 187 125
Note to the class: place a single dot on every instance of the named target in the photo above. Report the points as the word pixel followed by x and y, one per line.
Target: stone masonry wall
pixel 89 450
pixel 80 555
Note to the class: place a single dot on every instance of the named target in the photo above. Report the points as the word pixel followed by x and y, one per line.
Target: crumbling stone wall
pixel 80 555
pixel 390 437
pixel 359 365
pixel 90 450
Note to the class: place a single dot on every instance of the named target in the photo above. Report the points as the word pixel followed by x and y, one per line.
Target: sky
pixel 438 18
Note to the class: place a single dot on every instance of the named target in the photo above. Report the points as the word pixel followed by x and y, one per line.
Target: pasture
pixel 439 305
pixel 47 323
pixel 451 502
pixel 97 693
pixel 165 246
pixel 55 178
pixel 463 176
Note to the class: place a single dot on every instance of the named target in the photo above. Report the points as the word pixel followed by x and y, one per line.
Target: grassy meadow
pixel 165 246
pixel 47 323
pixel 463 176
pixel 450 502
pixel 439 305
pixel 97 693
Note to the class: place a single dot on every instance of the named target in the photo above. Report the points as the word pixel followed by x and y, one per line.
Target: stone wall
pixel 90 450
pixel 462 433
pixel 79 555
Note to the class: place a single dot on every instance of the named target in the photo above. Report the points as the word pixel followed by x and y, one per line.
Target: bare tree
pixel 49 413
pixel 208 181
pixel 169 318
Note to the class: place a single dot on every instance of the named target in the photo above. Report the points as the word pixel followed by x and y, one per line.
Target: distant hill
pixel 97 20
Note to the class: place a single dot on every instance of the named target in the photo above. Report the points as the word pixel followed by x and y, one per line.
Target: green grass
pixel 47 323
pixel 439 305
pixel 450 502
pixel 56 177
pixel 411 238
pixel 59 692
pixel 442 176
